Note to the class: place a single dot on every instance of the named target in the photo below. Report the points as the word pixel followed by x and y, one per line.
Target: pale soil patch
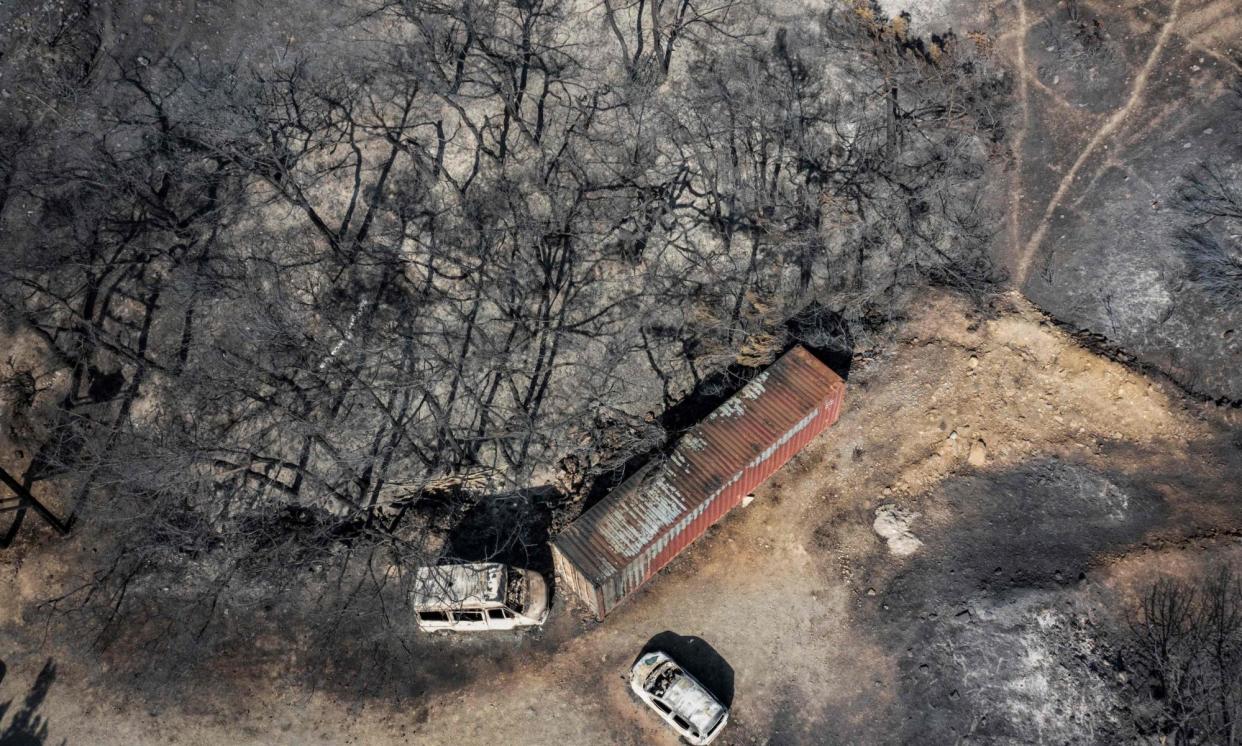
pixel 892 524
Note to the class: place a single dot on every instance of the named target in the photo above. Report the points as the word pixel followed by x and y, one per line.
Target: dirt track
pixel 821 625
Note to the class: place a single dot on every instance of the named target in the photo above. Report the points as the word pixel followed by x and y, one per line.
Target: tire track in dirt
pixel 1111 126
pixel 1024 103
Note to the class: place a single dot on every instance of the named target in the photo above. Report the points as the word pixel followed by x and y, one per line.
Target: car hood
pixel 690 700
pixel 536 597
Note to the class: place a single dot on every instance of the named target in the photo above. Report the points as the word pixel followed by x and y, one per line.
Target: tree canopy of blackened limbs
pixel 1183 646
pixel 293 314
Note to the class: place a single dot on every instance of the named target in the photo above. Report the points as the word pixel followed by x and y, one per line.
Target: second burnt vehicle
pixel 478 596
pixel 684 703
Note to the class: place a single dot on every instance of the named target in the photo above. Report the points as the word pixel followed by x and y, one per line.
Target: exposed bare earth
pixel 1086 476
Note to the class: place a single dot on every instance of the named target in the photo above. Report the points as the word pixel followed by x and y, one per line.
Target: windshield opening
pixel 662 678
pixel 515 591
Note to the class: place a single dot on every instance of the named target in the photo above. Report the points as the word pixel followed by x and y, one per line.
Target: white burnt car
pixel 680 699
pixel 478 596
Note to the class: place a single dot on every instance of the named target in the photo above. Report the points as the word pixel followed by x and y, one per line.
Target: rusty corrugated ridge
pixel 740 434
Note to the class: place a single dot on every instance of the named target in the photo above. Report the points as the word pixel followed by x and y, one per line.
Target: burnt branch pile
pixel 288 316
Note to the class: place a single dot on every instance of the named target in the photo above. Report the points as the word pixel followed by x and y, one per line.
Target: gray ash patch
pixel 1032 670
pixel 994 648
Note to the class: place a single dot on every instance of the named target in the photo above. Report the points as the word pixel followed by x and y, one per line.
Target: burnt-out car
pixel 478 596
pixel 684 703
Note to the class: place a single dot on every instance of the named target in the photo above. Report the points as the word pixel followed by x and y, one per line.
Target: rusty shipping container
pixel 615 547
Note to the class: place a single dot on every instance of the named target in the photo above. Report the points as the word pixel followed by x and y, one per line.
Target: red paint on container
pixel 615 547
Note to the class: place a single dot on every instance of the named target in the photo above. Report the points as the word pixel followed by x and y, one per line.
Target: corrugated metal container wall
pixel 617 545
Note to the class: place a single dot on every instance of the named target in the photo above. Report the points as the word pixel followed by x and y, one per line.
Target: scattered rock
pixel 978 453
pixel 892 524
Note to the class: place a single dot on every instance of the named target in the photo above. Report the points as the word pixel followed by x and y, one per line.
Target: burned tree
pixel 1184 644
pixel 302 319
pixel 1211 199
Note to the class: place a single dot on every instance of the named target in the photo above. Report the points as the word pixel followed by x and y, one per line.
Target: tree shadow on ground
pixel 27 727
pixel 825 334
pixel 510 528
pixel 699 659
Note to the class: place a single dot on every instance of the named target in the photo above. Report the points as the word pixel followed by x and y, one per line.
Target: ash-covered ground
pixel 1125 113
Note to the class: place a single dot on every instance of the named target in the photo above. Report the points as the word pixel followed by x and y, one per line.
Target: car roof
pixel 456 586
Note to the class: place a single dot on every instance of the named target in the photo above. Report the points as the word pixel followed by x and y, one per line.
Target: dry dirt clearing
pixel 1021 484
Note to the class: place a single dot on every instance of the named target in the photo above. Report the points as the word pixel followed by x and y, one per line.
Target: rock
pixel 978 453
pixel 974 361
pixel 892 524
pixel 746 501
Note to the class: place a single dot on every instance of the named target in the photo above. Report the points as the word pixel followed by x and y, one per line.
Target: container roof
pixel 455 586
pixel 711 455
